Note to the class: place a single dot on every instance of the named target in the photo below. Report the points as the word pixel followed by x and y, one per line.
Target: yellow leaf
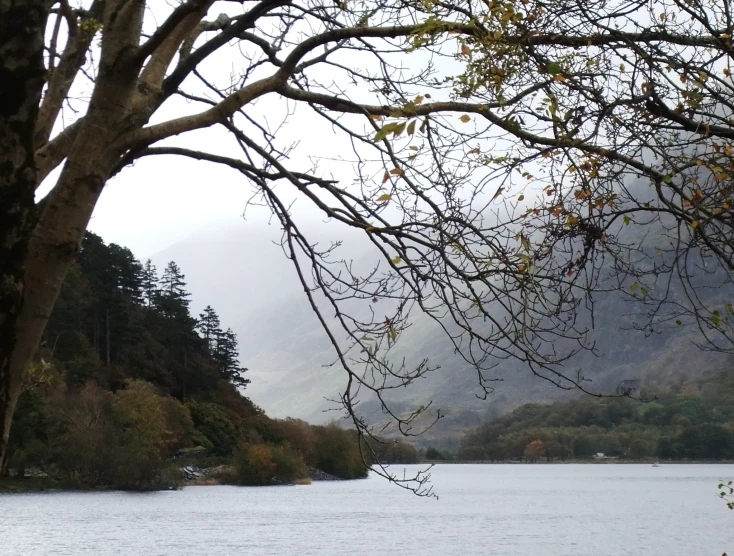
pixel 572 220
pixel 694 224
pixel 465 118
pixel 385 177
pixel 418 99
pixel 396 260
pixel 559 77
pixel 384 197
pixel 396 172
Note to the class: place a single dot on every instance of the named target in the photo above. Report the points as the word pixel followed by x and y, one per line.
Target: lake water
pixel 497 510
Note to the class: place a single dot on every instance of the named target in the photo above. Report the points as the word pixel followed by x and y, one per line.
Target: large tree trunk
pixel 41 251
pixel 22 25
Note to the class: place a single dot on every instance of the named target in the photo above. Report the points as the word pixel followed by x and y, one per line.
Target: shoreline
pixel 608 461
pixel 33 484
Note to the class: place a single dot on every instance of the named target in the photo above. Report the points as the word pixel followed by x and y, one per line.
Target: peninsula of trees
pixel 127 381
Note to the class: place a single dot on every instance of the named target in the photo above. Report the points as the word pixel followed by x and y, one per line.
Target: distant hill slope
pixel 253 285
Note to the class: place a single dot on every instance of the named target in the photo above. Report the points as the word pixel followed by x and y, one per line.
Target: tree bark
pixel 36 252
pixel 22 25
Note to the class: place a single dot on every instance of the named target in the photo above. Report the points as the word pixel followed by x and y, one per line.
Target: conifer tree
pixel 173 283
pixel 208 327
pixel 127 272
pixel 149 282
pixel 173 299
pixel 227 355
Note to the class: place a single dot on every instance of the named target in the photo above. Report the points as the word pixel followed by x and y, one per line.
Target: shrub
pixel 115 440
pixel 212 421
pixel 289 467
pixel 254 465
pixel 433 454
pixel 260 464
pixel 338 453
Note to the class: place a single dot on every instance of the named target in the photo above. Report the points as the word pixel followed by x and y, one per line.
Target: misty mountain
pixel 244 274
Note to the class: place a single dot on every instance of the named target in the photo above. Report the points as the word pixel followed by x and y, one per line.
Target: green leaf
pixel 384 131
pixel 411 127
pixel 678 322
pixel 626 220
pixel 398 131
pixel 554 68
pixel 634 286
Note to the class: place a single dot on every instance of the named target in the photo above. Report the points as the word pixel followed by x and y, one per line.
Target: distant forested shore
pixel 687 422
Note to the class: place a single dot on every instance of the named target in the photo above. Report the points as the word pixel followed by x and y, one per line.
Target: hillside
pixel 130 384
pixel 693 421
pixel 288 354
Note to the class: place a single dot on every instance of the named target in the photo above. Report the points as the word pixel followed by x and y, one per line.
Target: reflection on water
pixel 483 509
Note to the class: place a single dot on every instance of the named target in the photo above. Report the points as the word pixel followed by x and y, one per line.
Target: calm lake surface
pixel 483 509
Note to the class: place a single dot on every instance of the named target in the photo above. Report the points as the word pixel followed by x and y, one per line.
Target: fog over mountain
pixel 242 272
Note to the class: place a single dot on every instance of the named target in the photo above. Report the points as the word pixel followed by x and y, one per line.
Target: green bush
pixel 338 452
pixel 213 423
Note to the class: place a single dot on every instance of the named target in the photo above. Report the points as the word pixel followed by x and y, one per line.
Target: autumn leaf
pixel 521 198
pixel 396 260
pixel 385 177
pixel 465 50
pixel 465 118
pixel 384 197
pixel 396 172
pixel 411 127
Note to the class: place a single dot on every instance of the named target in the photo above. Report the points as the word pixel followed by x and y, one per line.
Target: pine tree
pixel 208 327
pixel 172 298
pixel 173 284
pixel 149 282
pixel 227 356
pixel 126 271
